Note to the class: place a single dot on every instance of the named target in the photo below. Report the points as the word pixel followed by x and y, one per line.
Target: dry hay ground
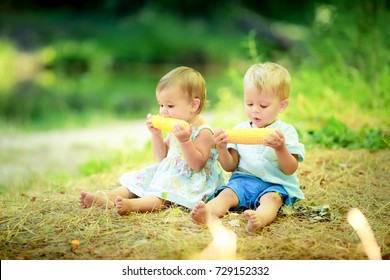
pixel 41 225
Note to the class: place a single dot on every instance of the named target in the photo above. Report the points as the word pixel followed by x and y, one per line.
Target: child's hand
pixel 149 125
pixel 275 140
pixel 181 133
pixel 221 138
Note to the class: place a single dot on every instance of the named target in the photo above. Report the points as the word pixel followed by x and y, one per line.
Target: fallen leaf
pixel 74 245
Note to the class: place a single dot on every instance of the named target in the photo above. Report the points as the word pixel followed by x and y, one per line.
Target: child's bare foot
pixel 82 199
pixel 199 213
pixel 255 221
pixel 123 205
pixel 98 199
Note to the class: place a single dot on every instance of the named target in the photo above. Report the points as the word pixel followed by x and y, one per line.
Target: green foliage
pixel 335 134
pixel 96 68
pixel 350 49
pixel 102 65
pixel 374 138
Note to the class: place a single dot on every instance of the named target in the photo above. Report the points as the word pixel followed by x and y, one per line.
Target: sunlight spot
pixel 360 224
pixel 324 15
pixel 222 247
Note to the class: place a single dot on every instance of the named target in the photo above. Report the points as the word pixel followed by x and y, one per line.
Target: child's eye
pixel 263 106
pixel 249 104
pixel 168 106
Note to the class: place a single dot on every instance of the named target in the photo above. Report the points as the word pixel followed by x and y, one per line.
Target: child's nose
pixel 164 112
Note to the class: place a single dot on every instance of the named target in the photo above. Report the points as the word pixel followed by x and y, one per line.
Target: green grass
pixel 115 158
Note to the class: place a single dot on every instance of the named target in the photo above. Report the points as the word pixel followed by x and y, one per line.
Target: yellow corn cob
pixel 166 124
pixel 248 135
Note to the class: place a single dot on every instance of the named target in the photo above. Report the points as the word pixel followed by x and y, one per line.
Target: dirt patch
pixel 36 154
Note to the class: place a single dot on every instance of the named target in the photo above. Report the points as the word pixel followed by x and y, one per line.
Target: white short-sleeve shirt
pixel 261 161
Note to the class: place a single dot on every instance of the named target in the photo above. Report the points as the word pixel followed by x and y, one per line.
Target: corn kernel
pixel 248 135
pixel 166 124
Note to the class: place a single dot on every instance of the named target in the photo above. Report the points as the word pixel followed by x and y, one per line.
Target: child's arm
pixel 228 158
pixel 197 152
pixel 288 162
pixel 159 145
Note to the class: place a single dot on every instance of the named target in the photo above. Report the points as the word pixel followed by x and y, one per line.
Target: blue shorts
pixel 249 189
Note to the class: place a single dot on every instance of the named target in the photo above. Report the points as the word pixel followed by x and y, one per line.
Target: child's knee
pixel 228 194
pixel 272 197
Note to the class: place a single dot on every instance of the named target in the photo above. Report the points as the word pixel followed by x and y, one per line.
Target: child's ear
pixel 283 105
pixel 195 104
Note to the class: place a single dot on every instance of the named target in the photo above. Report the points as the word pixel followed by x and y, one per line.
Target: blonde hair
pixel 269 76
pixel 189 80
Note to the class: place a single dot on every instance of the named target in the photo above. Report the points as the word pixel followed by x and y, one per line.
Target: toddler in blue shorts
pixel 263 176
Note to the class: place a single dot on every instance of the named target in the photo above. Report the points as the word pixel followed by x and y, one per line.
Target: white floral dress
pixel 172 179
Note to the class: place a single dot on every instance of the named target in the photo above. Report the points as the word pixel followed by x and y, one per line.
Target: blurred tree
pixel 279 9
pixel 190 7
pixel 112 6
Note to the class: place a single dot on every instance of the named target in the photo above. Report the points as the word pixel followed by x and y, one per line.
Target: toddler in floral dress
pixel 188 170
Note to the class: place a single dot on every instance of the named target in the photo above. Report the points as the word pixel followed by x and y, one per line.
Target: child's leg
pixel 215 208
pixel 103 199
pixel 270 204
pixel 147 203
